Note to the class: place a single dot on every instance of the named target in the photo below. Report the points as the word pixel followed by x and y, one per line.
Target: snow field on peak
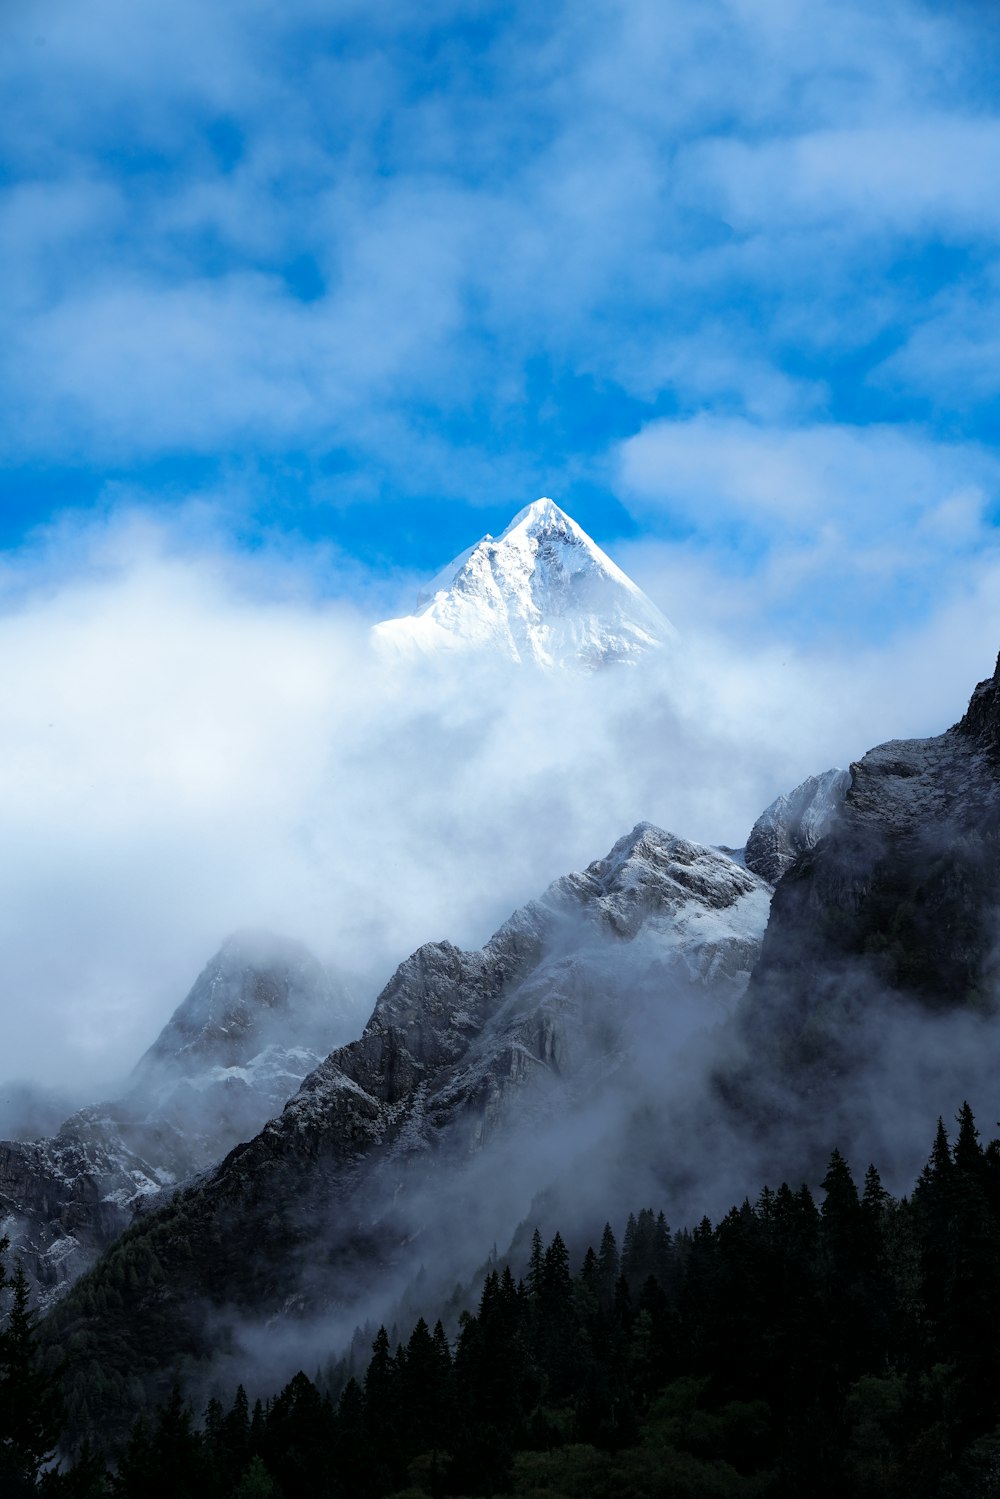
pixel 542 592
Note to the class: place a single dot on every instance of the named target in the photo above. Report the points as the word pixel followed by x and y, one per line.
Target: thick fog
pixel 194 745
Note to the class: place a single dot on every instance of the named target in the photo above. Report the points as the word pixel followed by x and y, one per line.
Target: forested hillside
pixel 790 1349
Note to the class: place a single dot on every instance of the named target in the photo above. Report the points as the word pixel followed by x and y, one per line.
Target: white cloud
pixel 183 757
pixel 540 198
pixel 856 534
pixel 187 752
pixel 950 353
pixel 794 481
pixel 915 174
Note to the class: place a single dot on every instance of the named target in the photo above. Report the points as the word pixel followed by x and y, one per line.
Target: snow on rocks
pixel 543 592
pixel 795 822
pixel 262 1015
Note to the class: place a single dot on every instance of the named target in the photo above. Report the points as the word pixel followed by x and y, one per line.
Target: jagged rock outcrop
pixel 260 1016
pixel 456 1031
pixel 794 822
pixel 892 917
pixel 464 1052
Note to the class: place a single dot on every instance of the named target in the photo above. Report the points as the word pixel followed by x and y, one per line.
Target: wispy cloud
pixel 850 529
pixel 313 227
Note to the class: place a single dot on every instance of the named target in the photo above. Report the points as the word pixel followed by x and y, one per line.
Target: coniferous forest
pixel 850 1345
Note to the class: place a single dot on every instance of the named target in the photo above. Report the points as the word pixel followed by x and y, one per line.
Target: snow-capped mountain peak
pixel 541 592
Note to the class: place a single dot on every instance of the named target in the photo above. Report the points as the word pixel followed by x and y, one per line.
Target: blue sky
pixel 721 275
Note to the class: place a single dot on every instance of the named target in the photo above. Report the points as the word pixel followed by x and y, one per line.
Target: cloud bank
pixel 194 744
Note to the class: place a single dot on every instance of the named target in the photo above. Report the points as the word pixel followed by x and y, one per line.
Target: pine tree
pixel 968 1155
pixel 533 1279
pixel 557 1287
pixel 380 1391
pixel 255 1482
pixel 380 1383
pixel 234 1435
pixel 971 1311
pixel 31 1406
pixel 663 1252
pixel 424 1390
pixel 352 1447
pixel 555 1339
pixel 840 1208
pixel 300 1429
pixel 629 1248
pixel 589 1273
pixel 934 1212
pixel 608 1268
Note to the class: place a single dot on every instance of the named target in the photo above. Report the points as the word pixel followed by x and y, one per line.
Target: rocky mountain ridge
pixel 377 1160
pixel 876 994
pixel 481 1076
pixel 904 880
pixel 259 1017
pixel 794 822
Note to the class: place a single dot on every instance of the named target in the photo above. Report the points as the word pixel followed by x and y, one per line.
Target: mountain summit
pixel 542 592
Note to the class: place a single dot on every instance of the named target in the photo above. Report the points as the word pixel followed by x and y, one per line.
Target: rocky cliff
pixel 876 990
pixel 260 1016
pixel 398 1143
pixel 795 822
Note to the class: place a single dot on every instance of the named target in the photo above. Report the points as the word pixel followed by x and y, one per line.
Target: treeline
pixel 789 1350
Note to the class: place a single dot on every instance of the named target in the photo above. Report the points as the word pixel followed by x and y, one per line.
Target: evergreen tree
pixel 970 1318
pixel 608 1268
pixel 380 1393
pixel 968 1156
pixel 533 1279
pixel 840 1210
pixel 234 1434
pixel 255 1482
pixel 424 1391
pixel 589 1274
pixel 352 1449
pixel 934 1210
pixel 31 1405
pixel 299 1436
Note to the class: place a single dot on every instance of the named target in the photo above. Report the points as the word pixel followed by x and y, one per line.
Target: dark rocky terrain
pixel 482 1076
pixel 259 1017
pixel 401 1145
pixel 878 973
pixel 794 823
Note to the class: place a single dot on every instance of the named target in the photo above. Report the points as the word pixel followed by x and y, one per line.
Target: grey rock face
pixel 259 1017
pixel 455 1033
pixel 795 822
pixel 894 913
pixel 463 1052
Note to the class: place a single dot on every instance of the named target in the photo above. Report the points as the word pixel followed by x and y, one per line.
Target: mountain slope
pixel 542 592
pixel 794 822
pixel 260 1016
pixel 876 994
pixel 450 1111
